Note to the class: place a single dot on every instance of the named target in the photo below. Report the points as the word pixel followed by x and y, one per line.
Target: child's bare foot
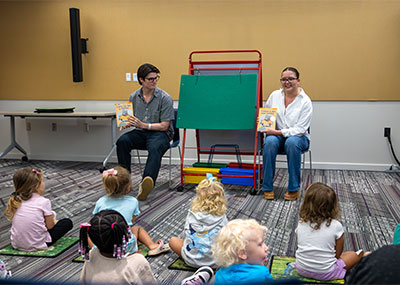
pixel 367 253
pixel 160 248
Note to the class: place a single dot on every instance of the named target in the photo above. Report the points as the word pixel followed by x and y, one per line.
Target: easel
pixel 228 136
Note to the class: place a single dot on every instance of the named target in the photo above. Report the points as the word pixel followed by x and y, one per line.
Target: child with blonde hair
pixel 33 224
pixel 117 183
pixel 320 237
pixel 203 222
pixel 241 252
pixel 109 260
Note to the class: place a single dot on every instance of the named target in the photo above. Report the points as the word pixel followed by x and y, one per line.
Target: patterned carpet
pixel 370 203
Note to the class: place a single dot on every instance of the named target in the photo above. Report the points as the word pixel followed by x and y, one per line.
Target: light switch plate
pixel 128 76
pixel 135 77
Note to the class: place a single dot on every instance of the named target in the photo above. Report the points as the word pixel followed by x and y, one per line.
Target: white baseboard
pixel 350 166
pixel 190 161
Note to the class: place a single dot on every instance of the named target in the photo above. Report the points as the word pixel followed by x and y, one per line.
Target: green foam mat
pixel 144 250
pixel 57 248
pixel 179 264
pixel 279 264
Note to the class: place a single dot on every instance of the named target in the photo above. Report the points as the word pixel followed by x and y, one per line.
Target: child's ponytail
pixel 83 241
pixel 13 204
pixel 26 182
pixel 116 180
pixel 119 239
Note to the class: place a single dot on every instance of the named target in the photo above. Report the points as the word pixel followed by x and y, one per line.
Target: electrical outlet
pixel 386 132
pixel 86 127
pixel 54 127
pixel 28 126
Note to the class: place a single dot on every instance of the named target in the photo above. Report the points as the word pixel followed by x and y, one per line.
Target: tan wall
pixel 344 50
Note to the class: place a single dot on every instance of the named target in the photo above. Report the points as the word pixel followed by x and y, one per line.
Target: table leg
pixel 14 143
pixel 113 145
pixel 108 156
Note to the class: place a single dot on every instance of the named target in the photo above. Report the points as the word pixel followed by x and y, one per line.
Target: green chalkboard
pixel 217 102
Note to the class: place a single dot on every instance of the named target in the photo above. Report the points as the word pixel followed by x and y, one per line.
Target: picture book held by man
pixel 123 111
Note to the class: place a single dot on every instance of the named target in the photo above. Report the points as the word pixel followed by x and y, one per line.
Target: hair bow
pixel 209 176
pixel 85 225
pixel 111 171
pixel 35 171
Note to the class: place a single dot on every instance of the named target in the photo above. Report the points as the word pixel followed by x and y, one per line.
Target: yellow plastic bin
pixel 197 179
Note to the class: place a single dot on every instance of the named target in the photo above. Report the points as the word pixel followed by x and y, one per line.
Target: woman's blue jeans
pixel 294 147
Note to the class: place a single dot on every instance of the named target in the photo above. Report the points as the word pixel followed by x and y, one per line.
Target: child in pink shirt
pixel 33 224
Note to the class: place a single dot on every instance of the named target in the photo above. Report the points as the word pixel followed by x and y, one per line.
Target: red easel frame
pixel 192 70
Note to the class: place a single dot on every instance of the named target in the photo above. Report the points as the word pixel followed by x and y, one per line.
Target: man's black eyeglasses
pixel 152 79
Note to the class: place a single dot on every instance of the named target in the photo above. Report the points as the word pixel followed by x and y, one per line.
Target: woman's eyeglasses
pixel 289 79
pixel 152 79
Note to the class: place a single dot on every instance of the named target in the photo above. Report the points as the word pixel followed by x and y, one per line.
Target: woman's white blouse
pixel 296 118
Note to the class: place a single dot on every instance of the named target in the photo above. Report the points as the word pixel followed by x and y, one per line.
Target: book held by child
pixel 266 119
pixel 123 111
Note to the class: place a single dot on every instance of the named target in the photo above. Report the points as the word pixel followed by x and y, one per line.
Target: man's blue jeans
pixel 293 146
pixel 156 143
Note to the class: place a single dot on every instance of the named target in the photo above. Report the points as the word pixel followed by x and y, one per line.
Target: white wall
pixel 344 135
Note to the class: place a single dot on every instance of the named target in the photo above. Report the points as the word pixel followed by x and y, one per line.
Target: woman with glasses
pixel 153 111
pixel 294 112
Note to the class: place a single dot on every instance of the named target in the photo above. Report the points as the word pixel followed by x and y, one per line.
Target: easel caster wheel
pixel 24 158
pixel 253 192
pixel 179 188
pixel 101 169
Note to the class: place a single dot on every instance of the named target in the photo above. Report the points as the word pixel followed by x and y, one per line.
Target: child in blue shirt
pixel 241 252
pixel 117 183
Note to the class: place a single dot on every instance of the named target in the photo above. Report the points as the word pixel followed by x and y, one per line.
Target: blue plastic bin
pixel 237 180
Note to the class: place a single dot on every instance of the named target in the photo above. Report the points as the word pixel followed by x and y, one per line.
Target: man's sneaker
pixel 203 275
pixel 145 188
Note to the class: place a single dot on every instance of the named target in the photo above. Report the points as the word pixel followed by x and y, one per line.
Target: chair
pixel 173 144
pixel 303 163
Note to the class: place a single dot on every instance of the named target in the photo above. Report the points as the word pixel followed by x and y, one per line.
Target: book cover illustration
pixel 266 119
pixel 123 111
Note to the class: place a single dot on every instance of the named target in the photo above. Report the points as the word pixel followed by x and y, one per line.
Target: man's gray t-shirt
pixel 159 109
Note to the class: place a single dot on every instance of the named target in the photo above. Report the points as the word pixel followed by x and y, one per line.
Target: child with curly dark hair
pixel 320 237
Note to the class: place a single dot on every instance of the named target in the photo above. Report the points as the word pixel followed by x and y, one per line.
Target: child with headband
pixel 34 226
pixel 117 182
pixel 109 261
pixel 203 222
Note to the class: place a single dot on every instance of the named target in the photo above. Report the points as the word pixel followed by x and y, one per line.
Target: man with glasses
pixel 153 111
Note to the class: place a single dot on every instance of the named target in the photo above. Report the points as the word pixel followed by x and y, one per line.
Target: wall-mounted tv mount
pixel 78 45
